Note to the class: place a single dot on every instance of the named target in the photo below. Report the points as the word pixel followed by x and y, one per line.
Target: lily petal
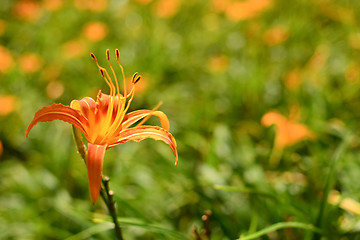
pixel 140 133
pixel 135 116
pixel 86 105
pixel 59 112
pixel 103 102
pixel 94 162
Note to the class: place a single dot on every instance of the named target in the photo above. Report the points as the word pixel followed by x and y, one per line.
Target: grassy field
pixel 263 99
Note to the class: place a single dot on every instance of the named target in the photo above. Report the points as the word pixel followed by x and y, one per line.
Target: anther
pixel 134 76
pixel 117 52
pixel 93 56
pixel 102 72
pixel 107 54
pixel 134 81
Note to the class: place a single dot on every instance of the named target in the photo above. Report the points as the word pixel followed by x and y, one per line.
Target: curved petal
pixel 135 116
pixel 103 102
pixel 59 112
pixel 143 132
pixel 86 105
pixel 272 117
pixel 94 162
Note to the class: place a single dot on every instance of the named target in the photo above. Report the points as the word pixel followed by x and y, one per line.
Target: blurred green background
pixel 218 67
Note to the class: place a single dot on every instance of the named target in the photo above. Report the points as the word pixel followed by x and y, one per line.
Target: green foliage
pixel 217 75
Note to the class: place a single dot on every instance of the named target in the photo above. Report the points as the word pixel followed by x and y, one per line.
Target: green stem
pixel 278 226
pixel 329 183
pixel 110 203
pixel 105 192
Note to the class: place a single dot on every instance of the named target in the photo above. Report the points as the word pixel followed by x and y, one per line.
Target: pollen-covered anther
pixel 117 52
pixel 135 78
pixel 108 54
pixel 93 57
pixel 102 72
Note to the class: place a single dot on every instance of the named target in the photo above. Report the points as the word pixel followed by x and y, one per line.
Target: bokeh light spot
pixel 95 31
pixel 93 5
pixel 241 10
pixel 53 5
pixel 7 104
pixel 166 8
pixel 6 60
pixel 276 35
pixel 218 64
pixel 54 89
pixel 74 48
pixel 30 63
pixel 28 10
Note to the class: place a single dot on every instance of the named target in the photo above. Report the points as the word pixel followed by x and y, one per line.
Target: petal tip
pixel 95 157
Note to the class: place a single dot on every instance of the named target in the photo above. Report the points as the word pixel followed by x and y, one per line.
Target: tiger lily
pixel 288 131
pixel 106 123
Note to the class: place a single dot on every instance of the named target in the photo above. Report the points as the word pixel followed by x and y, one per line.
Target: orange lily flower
pixel 287 132
pixel 106 123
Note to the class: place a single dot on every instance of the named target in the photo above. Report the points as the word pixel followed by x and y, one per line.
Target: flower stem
pixel 107 196
pixel 105 192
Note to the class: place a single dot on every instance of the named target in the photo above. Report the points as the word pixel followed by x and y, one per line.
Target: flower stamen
pixel 113 72
pixel 117 52
pixel 148 116
pixel 104 73
pixel 135 78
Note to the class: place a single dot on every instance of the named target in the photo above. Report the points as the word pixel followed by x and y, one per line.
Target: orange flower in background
pixel 95 31
pixel 106 123
pixel 53 5
pixel 293 79
pixel 348 204
pixel 166 8
pixel 6 60
pixel 276 35
pixel 28 10
pixel 241 10
pixel 7 104
pixel 218 64
pixel 74 48
pixel 220 5
pixel 93 5
pixel 287 132
pixel 30 63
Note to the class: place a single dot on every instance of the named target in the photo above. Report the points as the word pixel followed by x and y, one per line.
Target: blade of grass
pixel 329 183
pixel 151 227
pixel 253 223
pixel 87 233
pixel 103 225
pixel 278 226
